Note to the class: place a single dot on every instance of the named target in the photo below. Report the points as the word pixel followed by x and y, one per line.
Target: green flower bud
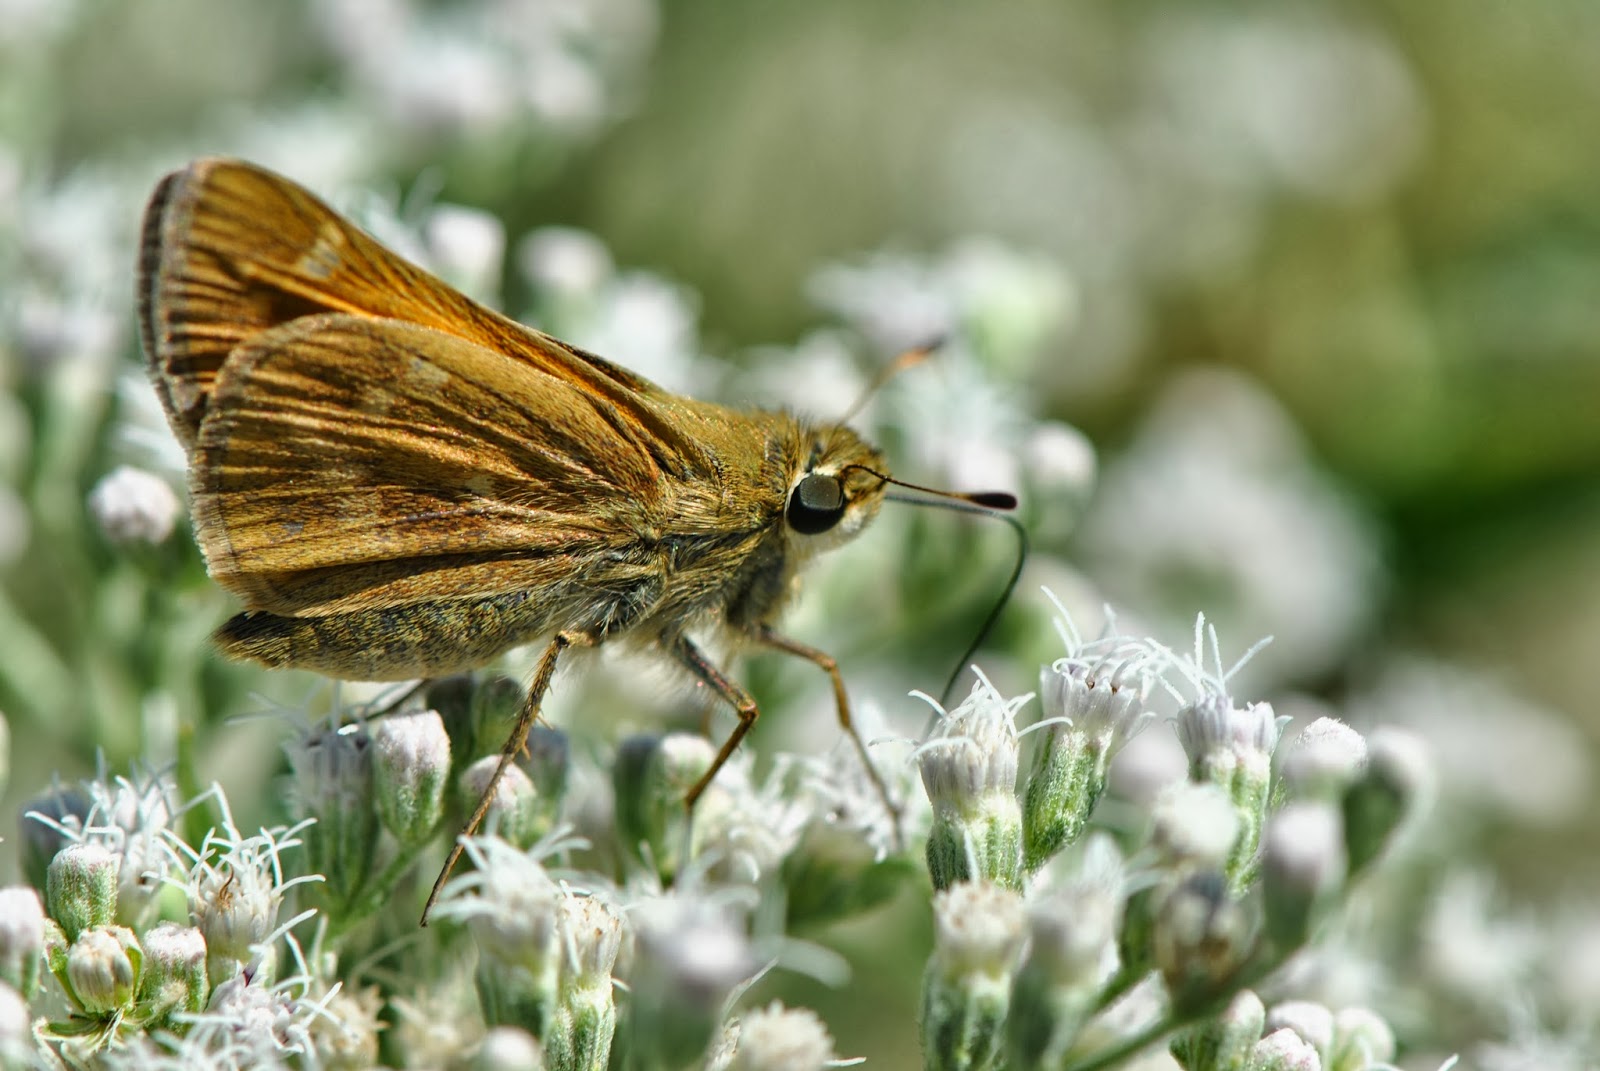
pixel 174 977
pixel 21 939
pixel 333 777
pixel 690 954
pixel 411 764
pixel 1361 1039
pixel 547 763
pixel 835 873
pixel 1073 933
pixel 1096 705
pixel 515 814
pixel 979 932
pixel 102 969
pixel 1397 776
pixel 580 1034
pixel 516 922
pixel 1303 865
pixel 651 776
pixel 81 888
pixel 969 769
pixel 1225 1042
pixel 1232 748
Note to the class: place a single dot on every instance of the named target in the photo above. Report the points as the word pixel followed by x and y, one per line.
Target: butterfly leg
pixel 830 666
pixel 744 706
pixel 515 744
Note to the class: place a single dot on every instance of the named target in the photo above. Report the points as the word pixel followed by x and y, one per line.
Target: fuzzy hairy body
pixel 397 482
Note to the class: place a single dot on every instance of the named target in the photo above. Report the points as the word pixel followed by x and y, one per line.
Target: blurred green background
pixel 1320 281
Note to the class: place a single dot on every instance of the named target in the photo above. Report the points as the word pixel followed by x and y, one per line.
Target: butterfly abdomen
pixel 423 639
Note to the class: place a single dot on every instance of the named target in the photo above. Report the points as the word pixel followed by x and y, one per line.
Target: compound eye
pixel 816 505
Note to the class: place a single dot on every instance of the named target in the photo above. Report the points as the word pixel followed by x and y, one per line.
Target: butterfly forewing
pixel 347 462
pixel 231 250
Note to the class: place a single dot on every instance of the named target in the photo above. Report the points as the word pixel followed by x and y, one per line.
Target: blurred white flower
pixel 1215 504
pixel 1323 106
pixel 1473 948
pixel 649 326
pixel 133 506
pixel 1499 753
pixel 468 248
pixel 571 263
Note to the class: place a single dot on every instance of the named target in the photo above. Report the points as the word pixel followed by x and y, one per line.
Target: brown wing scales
pixel 346 462
pixel 231 250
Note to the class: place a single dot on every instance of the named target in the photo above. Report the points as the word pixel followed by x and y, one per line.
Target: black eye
pixel 816 505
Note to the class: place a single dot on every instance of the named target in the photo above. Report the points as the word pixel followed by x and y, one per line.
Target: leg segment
pixel 516 743
pixel 831 667
pixel 744 706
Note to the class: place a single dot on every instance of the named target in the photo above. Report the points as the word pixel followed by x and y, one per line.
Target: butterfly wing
pixel 346 462
pixel 231 250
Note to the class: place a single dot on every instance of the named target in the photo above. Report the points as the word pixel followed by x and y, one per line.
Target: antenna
pixel 909 359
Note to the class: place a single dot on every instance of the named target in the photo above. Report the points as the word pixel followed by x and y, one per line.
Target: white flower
pixel 134 506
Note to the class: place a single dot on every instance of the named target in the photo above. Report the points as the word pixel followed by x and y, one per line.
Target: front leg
pixel 830 666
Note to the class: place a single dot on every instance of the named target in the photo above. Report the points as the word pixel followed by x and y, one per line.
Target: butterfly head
pixel 836 490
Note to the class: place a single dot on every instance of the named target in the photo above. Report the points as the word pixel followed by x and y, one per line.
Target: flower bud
pixel 1096 707
pixel 1200 936
pixel 1073 931
pixel 515 814
pixel 411 764
pixel 174 976
pixel 1361 1039
pixel 515 919
pixel 1193 825
pixel 1302 867
pixel 21 939
pixel 508 1048
pixel 1283 1050
pixel 62 807
pixel 1232 748
pixel 969 769
pixel 691 952
pixel 1312 1021
pixel 547 764
pixel 979 931
pixel 1397 776
pixel 102 969
pixel 81 888
pixel 651 776
pixel 776 1038
pixel 333 776
pixel 17 1047
pixel 585 1020
pixel 133 506
pixel 1224 1042
pixel 1323 760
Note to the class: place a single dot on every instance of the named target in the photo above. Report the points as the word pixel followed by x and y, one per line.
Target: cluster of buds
pixel 1235 870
